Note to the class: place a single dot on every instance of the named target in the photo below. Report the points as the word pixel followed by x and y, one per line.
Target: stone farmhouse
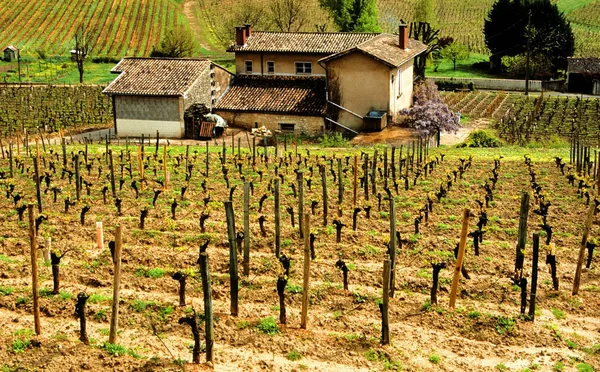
pixel 300 82
pixel 310 82
pixel 152 94
pixel 10 53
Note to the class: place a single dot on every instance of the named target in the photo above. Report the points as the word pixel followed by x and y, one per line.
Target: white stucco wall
pixel 135 128
pixel 401 88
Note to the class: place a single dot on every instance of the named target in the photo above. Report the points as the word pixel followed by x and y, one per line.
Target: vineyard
pixel 50 108
pixel 315 230
pixel 124 27
pixel 523 119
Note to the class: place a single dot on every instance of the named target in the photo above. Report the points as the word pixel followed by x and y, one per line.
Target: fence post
pixel 114 319
pixel 459 259
pixel 306 282
pixel 233 261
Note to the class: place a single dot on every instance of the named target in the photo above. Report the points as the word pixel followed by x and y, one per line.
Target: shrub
pixel 505 325
pixel 294 355
pixel 268 326
pixel 105 59
pixel 481 138
pixel 333 140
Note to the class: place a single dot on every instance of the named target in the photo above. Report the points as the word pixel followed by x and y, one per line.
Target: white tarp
pixel 220 122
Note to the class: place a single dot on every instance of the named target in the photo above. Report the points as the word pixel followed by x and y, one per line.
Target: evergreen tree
pixel 353 15
pixel 506 31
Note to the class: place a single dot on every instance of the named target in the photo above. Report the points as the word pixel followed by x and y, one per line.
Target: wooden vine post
pixel 111 164
pixel 324 184
pixel 208 310
pixel 534 274
pixel 306 282
pixel 522 239
pixel 165 167
pixel 277 219
pixel 114 318
pixel 582 248
pixel 233 261
pixel 34 270
pixel 459 259
pixel 385 326
pixel 392 247
pixel 355 179
pixel 77 178
pixel 300 179
pixel 246 259
pixel 38 192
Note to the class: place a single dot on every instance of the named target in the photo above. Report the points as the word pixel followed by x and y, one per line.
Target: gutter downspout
pixel 326 88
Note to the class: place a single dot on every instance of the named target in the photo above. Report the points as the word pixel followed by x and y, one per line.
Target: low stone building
pixel 284 103
pixel 152 94
pixel 10 53
pixel 583 75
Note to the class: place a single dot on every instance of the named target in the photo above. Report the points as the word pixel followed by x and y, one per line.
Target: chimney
pixel 248 29
pixel 240 35
pixel 402 35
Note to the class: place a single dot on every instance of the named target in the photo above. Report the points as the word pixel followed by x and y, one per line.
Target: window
pixel 248 66
pixel 270 67
pixel 285 127
pixel 303 68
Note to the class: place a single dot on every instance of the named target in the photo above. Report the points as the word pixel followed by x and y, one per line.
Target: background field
pixel 132 27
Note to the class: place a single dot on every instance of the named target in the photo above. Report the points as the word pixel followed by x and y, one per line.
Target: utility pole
pixel 527 62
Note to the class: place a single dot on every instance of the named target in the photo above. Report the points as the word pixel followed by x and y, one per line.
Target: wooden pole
pixel 459 259
pixel 522 237
pixel 114 318
pixel 385 326
pixel 246 260
pixel 77 178
pixel 392 268
pixel 233 261
pixel 582 248
pixel 324 185
pixel 34 270
pixel 355 179
pixel 111 165
pixel 306 282
pixel 534 274
pixel 38 192
pixel 300 179
pixel 340 182
pixel 208 309
pixel 277 219
pixel 165 167
pixel 207 156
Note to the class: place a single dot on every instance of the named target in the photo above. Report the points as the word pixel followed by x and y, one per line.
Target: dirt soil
pixel 484 332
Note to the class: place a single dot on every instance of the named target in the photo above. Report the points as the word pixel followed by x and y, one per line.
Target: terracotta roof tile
pixel 292 95
pixel 156 76
pixel 584 65
pixel 385 48
pixel 301 42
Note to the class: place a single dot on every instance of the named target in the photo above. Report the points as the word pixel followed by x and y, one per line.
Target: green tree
pixel 506 31
pixel 85 37
pixel 177 43
pixel 455 52
pixel 353 15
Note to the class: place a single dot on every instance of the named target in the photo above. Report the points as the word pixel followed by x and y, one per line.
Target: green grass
pixel 558 314
pixel 464 68
pixel 293 355
pixel 435 359
pixel 6 291
pixel 117 350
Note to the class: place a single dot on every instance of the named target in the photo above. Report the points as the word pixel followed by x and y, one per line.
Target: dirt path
pixel 403 136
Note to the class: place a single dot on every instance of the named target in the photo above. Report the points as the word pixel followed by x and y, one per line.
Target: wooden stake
pixel 534 274
pixel 165 167
pixel 246 260
pixel 233 261
pixel 111 165
pixel 34 270
pixel 208 309
pixel 306 282
pixel 114 318
pixel 522 237
pixel 355 179
pixel 300 179
pixel 582 248
pixel 459 259
pixel 324 185
pixel 392 246
pixel 277 218
pixel 38 192
pixel 385 326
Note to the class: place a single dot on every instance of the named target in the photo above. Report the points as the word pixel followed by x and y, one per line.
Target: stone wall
pixel 495 84
pixel 311 125
pixel 147 108
pixel 199 91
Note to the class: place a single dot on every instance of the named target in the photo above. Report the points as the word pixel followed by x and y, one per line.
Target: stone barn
pixel 10 53
pixel 152 94
pixel 583 75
